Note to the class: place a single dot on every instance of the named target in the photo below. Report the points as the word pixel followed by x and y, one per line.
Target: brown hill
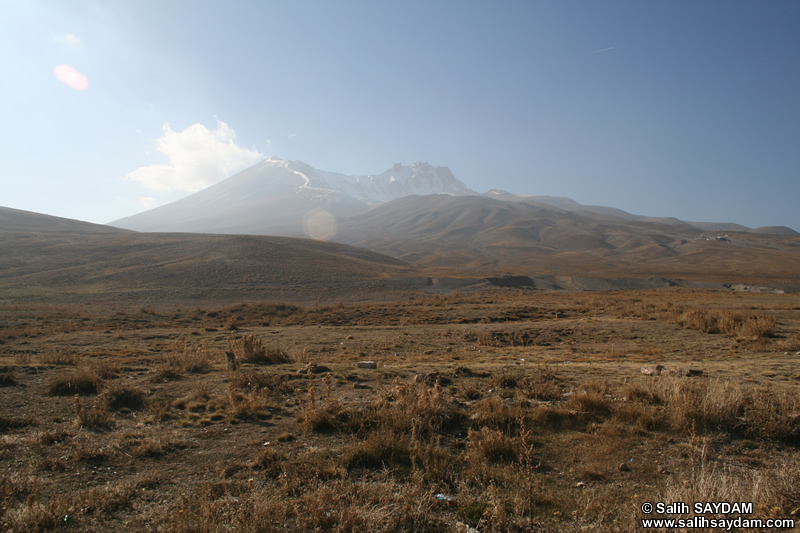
pixel 16 220
pixel 481 234
pixel 50 255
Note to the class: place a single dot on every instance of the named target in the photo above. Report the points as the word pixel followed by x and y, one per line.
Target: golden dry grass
pixel 520 407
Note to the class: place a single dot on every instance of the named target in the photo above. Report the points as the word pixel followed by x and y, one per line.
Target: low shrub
pixel 83 381
pixel 491 446
pixel 250 349
pixel 381 449
pixel 120 396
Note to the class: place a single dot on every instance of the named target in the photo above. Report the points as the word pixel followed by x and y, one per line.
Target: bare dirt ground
pixel 521 410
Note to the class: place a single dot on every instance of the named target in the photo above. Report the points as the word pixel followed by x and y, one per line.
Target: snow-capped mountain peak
pixel 398 181
pixel 274 195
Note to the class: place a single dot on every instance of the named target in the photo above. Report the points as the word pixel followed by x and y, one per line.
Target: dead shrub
pixel 381 449
pixel 507 379
pixel 638 415
pixel 590 402
pixel 772 490
pixel 753 327
pixel 58 357
pixel 244 406
pixel 151 448
pixel 554 417
pixel 83 381
pixel 252 379
pixel 118 397
pixel 496 413
pixel 699 319
pixel 704 404
pixel 640 394
pixel 270 462
pixel 542 385
pixel 183 359
pixel 773 414
pixel 490 446
pixel 417 410
pixel 94 415
pixel 792 343
pixel 250 349
pixel 331 416
pixel 34 515
pixel 107 369
pixel 757 327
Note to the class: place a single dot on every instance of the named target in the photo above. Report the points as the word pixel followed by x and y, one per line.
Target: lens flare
pixel 72 77
pixel 319 224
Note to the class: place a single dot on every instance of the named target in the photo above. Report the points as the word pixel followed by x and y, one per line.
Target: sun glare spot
pixel 72 77
pixel 319 224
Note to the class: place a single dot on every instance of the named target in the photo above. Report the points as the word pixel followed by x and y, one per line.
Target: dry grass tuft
pixel 83 381
pixel 381 449
pixel 491 446
pixel 58 357
pixel 754 327
pixel 93 415
pixel 183 359
pixel 120 397
pixel 250 349
pixel 417 410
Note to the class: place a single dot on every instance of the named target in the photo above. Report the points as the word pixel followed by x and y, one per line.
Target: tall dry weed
pixel 250 349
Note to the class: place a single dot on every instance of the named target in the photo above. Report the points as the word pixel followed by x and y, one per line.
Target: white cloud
pixel 198 157
pixel 147 202
pixel 68 38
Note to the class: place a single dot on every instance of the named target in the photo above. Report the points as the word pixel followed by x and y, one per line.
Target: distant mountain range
pixel 425 216
pixel 277 197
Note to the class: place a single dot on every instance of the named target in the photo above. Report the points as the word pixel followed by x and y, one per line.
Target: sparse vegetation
pixel 250 349
pixel 83 381
pixel 523 411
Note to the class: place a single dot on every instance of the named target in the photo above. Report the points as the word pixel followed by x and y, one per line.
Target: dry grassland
pixel 529 411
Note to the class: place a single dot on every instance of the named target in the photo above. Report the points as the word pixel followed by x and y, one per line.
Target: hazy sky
pixel 665 108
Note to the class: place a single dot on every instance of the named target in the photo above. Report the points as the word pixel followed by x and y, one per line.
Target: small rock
pixel 361 385
pixel 623 467
pixel 662 469
pixel 349 338
pixel 653 371
pixel 368 364
pixel 685 373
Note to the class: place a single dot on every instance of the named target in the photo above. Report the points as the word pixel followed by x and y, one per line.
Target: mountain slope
pixel 276 197
pixel 14 220
pixel 488 235
pixel 47 255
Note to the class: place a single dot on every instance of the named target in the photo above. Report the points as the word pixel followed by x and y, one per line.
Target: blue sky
pixel 665 108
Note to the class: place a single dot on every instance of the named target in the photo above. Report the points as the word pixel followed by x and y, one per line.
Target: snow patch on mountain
pixel 398 181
